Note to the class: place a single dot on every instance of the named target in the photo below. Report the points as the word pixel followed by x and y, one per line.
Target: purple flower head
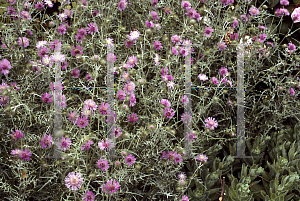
pixel 132 118
pixel 181 176
pixel 16 135
pixel 103 164
pixel 132 100
pixel 202 77
pixel 132 61
pixel 117 132
pixel 64 144
pixel 154 15
pixel 25 155
pixel 74 180
pixel 211 123
pixel 215 80
pixel 292 91
pixel 75 72
pixel 134 35
pixel 186 118
pixel 90 104
pixel 185 5
pixel 106 144
pixel 122 5
pixel 46 141
pixel 130 160
pixel 47 98
pixel 223 71
pixel 201 157
pixel 296 15
pixel 222 46
pixel 284 2
pixel 165 102
pixel 177 158
pixel 92 27
pixel 157 45
pixel 184 99
pixel 184 198
pixel 207 32
pixel 168 112
pixel 110 187
pixel 4 66
pixel 253 11
pixel 82 122
pixel 190 136
pixel 89 196
pixel 103 108
pixel 121 95
pixel 87 145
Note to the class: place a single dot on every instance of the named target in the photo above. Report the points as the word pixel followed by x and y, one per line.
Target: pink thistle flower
pixel 76 51
pixel 58 88
pixel 25 155
pixel 134 35
pixel 132 100
pixel 170 155
pixel 25 15
pixel 296 15
pixel 74 180
pixel 46 98
pixel 132 61
pixel 89 196
pixel 165 102
pixel 174 51
pixel 82 122
pixel 103 108
pixel 190 136
pixel 223 71
pixel 186 117
pixel 201 157
pixel 154 15
pixel 184 99
pixel 211 123
pixel 185 4
pixel 202 77
pixel 253 11
pixel 111 57
pixel 177 158
pixel 129 43
pixel 64 144
pixel 215 80
pixel 92 27
pixel 222 46
pixel 132 118
pixel 90 104
pixel 4 66
pixel 184 198
pixel 157 45
pixel 86 112
pixel 87 145
pixel 62 16
pixel 106 144
pixel 42 51
pixel 207 32
pixel 169 113
pixel 16 152
pixel 164 71
pixel 122 5
pixel 129 87
pixel 62 29
pixel 292 91
pixel 109 42
pixel 76 72
pixel 23 41
pixel 190 12
pixel 130 160
pixel 284 2
pixel 103 164
pixel 39 5
pixel 46 141
pixel 183 51
pixel 121 95
pixel 110 187
pixel 156 60
pixel 16 135
pixel 117 132
pixel 181 176
pixel 149 24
